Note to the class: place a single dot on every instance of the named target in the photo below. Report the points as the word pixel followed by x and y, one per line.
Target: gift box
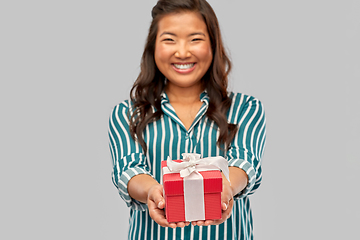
pixel 195 196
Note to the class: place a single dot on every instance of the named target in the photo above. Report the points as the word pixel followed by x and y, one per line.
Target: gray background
pixel 65 64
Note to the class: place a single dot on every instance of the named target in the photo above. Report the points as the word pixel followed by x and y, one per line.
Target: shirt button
pixel 187 136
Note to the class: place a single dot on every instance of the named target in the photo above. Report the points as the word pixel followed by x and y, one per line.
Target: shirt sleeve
pixel 246 149
pixel 128 158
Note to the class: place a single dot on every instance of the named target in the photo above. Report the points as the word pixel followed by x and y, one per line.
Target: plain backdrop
pixel 65 64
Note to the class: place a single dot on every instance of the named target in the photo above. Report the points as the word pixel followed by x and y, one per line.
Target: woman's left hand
pixel 227 203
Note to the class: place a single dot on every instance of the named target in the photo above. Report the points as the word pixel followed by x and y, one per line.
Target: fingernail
pixel 159 204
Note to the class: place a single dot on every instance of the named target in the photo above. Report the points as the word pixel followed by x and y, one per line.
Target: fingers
pixel 209 222
pixel 159 199
pixel 157 214
pixel 182 224
pixel 156 195
pixel 224 205
pixel 160 203
pixel 156 205
pixel 198 223
pixel 225 213
pixel 203 223
pixel 226 195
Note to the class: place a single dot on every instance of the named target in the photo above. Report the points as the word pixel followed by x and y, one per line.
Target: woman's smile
pixel 184 68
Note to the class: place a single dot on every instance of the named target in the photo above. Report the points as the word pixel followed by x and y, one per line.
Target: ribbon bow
pixel 193 162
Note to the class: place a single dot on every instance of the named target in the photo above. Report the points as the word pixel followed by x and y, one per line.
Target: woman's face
pixel 183 49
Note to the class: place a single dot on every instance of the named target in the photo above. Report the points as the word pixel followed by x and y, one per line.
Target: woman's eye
pixel 196 39
pixel 168 40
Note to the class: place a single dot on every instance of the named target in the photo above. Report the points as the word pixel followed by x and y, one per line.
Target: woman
pixel 179 103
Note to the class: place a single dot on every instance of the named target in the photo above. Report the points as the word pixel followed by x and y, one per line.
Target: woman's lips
pixel 183 67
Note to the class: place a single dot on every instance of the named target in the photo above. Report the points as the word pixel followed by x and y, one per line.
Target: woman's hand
pixel 156 204
pixel 227 203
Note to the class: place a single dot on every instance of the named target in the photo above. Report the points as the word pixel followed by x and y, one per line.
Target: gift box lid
pixel 174 184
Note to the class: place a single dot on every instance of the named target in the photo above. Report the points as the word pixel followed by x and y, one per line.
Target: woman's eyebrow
pixel 196 33
pixel 191 34
pixel 168 33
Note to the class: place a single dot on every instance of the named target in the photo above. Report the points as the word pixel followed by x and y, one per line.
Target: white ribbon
pixel 189 170
pixel 192 162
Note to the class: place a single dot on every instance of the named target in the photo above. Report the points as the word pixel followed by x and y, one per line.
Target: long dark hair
pixel 146 91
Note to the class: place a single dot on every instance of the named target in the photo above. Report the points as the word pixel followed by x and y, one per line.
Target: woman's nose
pixel 183 52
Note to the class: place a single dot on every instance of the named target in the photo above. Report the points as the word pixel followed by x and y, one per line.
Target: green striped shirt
pixel 169 137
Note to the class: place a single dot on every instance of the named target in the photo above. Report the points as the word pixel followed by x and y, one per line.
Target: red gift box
pixel 175 200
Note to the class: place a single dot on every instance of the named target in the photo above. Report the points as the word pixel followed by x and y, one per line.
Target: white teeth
pixel 184 66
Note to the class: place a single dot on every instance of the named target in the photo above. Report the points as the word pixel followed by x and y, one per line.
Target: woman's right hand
pixel 156 205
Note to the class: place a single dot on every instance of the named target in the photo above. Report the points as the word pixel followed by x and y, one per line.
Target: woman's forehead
pixel 182 23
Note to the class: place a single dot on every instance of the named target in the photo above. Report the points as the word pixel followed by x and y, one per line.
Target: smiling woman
pixel 180 104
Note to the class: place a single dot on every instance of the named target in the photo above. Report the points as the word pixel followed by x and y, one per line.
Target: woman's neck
pixel 184 95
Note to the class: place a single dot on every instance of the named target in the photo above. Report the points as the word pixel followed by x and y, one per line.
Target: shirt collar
pixel 164 98
pixel 204 97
